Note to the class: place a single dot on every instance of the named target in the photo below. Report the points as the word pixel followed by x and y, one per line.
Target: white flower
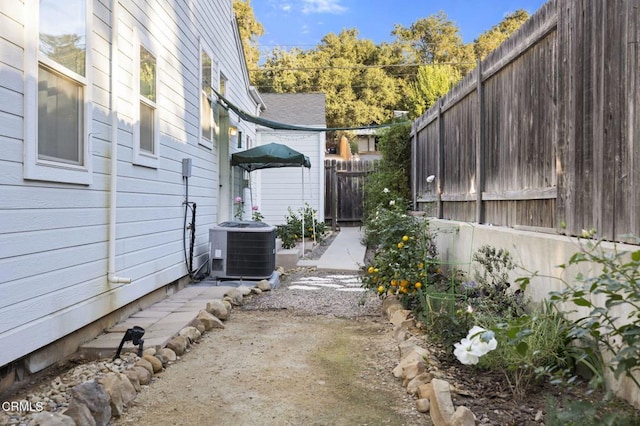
pixel 386 190
pixel 466 352
pixel 478 342
pixel 431 178
pixel 392 202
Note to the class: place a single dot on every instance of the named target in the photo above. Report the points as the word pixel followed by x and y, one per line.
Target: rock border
pixel 93 397
pixel 418 369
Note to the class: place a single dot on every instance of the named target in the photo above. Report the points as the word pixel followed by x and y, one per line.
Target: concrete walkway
pixel 346 252
pixel 163 320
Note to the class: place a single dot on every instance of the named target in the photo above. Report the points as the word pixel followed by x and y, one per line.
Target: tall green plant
pixel 617 285
pixel 393 179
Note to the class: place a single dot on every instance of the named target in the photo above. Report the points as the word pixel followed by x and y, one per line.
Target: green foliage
pixel 588 413
pixel 405 263
pixel 491 39
pixel 435 40
pixel 250 29
pixel 392 181
pixel 432 82
pixel 490 293
pixel 530 346
pixel 616 285
pixel 365 83
pixel 292 231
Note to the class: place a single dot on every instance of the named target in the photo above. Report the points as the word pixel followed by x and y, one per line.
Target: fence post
pixel 334 196
pixel 440 186
pixel 480 146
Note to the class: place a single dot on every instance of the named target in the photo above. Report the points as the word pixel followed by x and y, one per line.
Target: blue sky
pixel 302 23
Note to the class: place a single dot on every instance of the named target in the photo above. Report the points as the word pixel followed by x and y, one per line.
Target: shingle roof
pixel 295 108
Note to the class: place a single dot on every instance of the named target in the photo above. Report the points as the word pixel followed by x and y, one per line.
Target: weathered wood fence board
pixel 344 195
pixel 544 133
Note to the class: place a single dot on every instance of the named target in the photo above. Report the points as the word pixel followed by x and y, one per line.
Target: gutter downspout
pixel 113 190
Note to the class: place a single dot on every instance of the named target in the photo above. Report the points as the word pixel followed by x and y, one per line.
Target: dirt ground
pixel 279 368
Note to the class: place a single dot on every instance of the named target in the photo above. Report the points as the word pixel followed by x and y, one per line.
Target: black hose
pixel 193 236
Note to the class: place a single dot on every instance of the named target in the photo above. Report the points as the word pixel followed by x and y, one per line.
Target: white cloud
pixel 305 29
pixel 322 6
pixel 285 7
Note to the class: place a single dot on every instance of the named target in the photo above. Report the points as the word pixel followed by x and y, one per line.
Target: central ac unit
pixel 244 250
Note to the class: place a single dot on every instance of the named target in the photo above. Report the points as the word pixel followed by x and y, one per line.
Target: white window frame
pixel 208 143
pixel 142 157
pixel 36 168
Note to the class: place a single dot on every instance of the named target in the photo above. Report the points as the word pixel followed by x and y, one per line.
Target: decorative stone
pixel 142 362
pixel 121 392
pixel 198 325
pixel 244 290
pixel 151 363
pixel 168 355
pixel 463 417
pixel 419 380
pixel 178 344
pixel 442 409
pixel 209 320
pixel 411 358
pixel 411 371
pixel 149 351
pixel 264 285
pixel 134 379
pixel 91 397
pixel 45 418
pixel 411 345
pixel 235 297
pixel 218 309
pixel 399 317
pixel 144 377
pixel 400 334
pixel 423 405
pixel 388 302
pixel 190 333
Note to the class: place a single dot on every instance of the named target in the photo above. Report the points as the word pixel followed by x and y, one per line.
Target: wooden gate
pixel 344 192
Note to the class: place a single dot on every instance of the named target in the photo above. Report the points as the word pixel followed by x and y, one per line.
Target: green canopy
pixel 269 156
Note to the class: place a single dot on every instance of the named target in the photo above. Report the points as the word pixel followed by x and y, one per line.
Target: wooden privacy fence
pixel 545 133
pixel 344 194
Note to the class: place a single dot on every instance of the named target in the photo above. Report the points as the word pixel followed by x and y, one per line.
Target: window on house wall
pixel 222 86
pixel 56 145
pixel 206 118
pixel 147 100
pixel 146 128
pixel 239 139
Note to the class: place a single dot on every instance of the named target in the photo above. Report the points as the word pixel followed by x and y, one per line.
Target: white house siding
pixel 282 188
pixel 54 236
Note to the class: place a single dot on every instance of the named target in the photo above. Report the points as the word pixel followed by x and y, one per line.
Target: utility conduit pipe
pixel 111 273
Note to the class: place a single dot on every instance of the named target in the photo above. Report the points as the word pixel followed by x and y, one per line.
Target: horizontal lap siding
pixel 54 237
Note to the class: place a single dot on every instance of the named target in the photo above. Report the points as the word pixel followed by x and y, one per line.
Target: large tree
pixel 432 82
pixel 435 40
pixel 250 31
pixel 347 69
pixel 491 39
pixel 365 83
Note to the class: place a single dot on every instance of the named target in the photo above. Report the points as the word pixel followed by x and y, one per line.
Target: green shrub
pixel 530 346
pixel 616 285
pixel 291 232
